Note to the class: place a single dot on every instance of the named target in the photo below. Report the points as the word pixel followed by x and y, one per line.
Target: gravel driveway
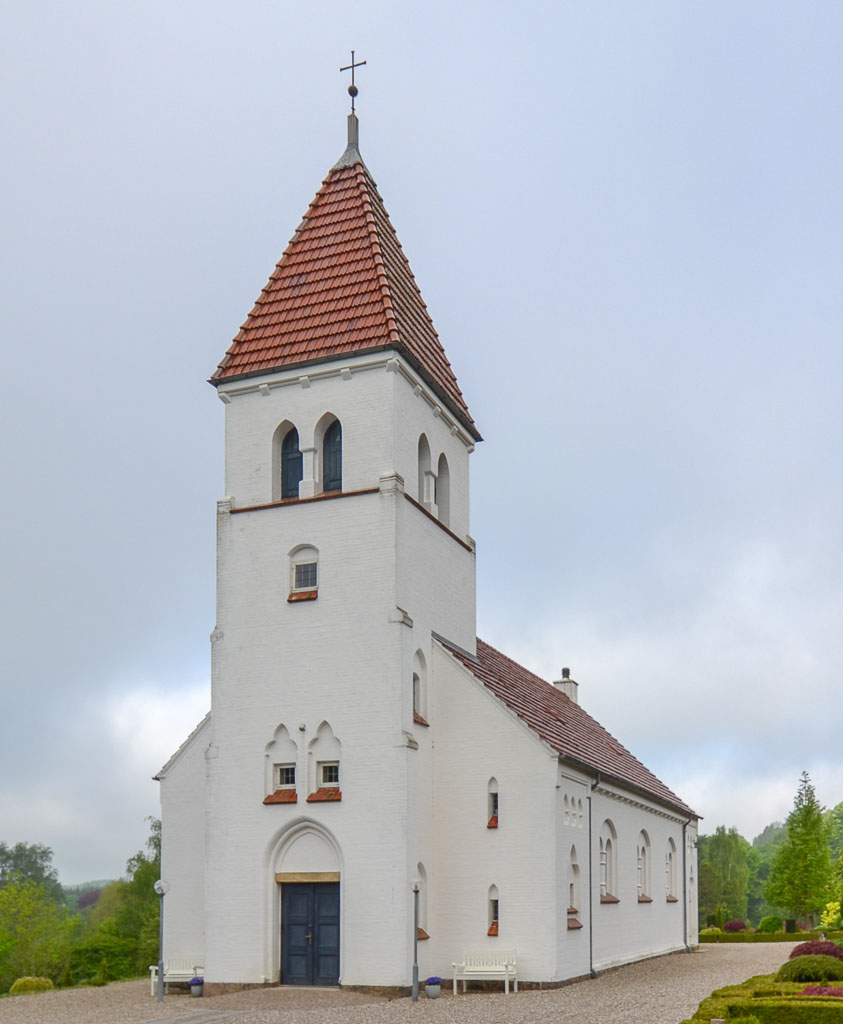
pixel 662 991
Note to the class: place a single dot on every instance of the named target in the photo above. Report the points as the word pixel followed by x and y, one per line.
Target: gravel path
pixel 662 991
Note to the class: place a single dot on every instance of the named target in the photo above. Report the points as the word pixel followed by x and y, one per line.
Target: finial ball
pixel 353 91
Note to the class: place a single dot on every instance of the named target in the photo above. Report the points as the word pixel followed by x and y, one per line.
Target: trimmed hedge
pixel 706 936
pixel 811 968
pixel 770 1002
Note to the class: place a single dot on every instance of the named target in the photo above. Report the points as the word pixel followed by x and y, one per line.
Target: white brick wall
pixel 389 576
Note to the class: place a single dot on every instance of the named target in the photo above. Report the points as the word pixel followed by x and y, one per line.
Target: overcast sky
pixel 627 222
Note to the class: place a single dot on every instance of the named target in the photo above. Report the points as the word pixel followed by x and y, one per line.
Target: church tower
pixel 362 743
pixel 342 546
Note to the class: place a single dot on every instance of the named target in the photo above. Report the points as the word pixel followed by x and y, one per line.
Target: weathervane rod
pixel 352 89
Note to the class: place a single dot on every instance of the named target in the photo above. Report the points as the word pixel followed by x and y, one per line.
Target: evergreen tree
pixel 800 874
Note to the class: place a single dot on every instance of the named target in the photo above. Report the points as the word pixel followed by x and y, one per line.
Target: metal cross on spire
pixel 352 89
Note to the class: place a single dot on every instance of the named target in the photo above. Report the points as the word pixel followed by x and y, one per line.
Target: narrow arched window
pixel 493 804
pixel 574 922
pixel 494 911
pixel 670 871
pixel 419 689
pixel 332 457
pixel 291 465
pixel 422 884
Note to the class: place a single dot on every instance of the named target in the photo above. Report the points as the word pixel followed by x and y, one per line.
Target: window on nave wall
pixel 643 867
pixel 608 852
pixel 573 910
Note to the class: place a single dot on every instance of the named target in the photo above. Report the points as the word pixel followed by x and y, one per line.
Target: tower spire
pixel 351 155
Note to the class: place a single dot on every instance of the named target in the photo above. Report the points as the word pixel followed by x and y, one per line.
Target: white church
pixel 362 741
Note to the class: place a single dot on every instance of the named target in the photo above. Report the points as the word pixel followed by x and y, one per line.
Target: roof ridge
pixel 575 734
pixel 380 263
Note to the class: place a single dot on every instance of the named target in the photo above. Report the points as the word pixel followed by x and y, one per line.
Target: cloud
pixel 724 692
pixel 93 788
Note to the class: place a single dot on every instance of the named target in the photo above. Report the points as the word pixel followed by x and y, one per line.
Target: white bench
pixel 487 966
pixel 179 968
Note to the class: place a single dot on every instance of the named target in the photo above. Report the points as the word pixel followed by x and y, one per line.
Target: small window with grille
pixel 285 776
pixel 304 573
pixel 330 773
pixel 305 576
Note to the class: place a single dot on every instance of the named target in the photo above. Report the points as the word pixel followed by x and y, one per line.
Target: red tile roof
pixel 561 723
pixel 343 286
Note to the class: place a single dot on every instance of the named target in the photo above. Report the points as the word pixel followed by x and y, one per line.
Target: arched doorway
pixel 307 872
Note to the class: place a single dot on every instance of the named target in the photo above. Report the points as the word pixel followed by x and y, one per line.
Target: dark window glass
pixel 306 576
pixel 287 775
pixel 330 774
pixel 332 457
pixel 291 465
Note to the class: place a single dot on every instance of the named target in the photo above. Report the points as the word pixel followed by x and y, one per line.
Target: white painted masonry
pixel 315 682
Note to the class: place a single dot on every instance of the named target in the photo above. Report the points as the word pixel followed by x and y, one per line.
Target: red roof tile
pixel 561 723
pixel 343 286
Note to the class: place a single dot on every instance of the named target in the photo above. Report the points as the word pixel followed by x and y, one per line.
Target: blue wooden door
pixel 310 933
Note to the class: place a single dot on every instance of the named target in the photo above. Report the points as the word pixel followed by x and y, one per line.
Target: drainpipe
pixel 685 885
pixel 591 969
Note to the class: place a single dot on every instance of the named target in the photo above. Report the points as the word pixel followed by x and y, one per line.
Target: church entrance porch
pixel 310 933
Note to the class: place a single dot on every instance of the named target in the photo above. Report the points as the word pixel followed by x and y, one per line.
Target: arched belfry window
pixel 425 481
pixel 443 491
pixel 332 458
pixel 291 464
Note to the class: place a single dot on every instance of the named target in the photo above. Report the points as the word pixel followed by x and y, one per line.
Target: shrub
pixel 817 947
pixel 713 930
pixel 118 951
pixel 101 977
pixel 811 968
pixel 734 926
pixel 770 924
pixel 821 990
pixel 23 985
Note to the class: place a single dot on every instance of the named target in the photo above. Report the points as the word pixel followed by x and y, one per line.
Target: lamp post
pixel 162 887
pixel 415 942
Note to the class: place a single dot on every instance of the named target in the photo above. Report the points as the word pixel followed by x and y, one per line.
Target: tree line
pixel 792 871
pixel 71 936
